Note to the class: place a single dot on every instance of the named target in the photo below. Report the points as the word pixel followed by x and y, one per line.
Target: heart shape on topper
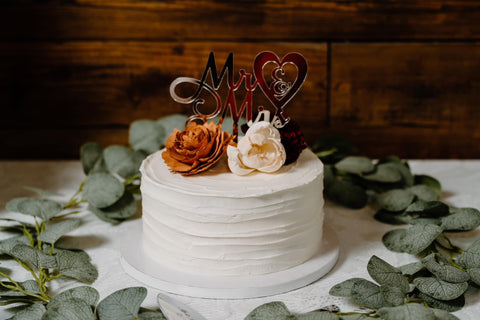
pixel 279 96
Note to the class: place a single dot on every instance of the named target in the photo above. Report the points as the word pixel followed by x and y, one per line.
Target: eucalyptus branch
pixel 73 200
pixel 17 287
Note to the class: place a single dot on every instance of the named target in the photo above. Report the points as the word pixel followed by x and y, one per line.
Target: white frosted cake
pixel 218 223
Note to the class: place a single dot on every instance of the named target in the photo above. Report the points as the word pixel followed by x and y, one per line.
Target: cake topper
pixel 278 91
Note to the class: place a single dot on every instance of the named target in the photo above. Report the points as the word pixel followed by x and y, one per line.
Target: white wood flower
pixel 260 149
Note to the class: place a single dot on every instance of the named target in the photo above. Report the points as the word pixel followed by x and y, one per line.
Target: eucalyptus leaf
pixel 42 208
pixel 430 182
pixel 386 274
pixel 7 245
pixel 448 305
pixel 432 209
pixel 151 315
pixel 90 155
pixel 357 316
pixel 147 135
pixel 32 312
pixel 470 258
pixel 76 265
pixel 367 294
pixel 328 176
pixel 393 296
pixel 411 268
pixel 33 256
pixel 403 169
pixel 390 217
pixel 395 200
pixel 385 173
pixel 119 211
pixel 393 240
pixel 444 315
pixel 88 294
pixel 423 192
pixel 170 123
pixel 28 285
pixel 344 289
pixel 414 239
pixel 445 272
pixel 54 231
pixel 275 310
pixel 348 194
pixel 123 304
pixel 227 124
pixel 123 161
pixel 465 219
pixel 101 190
pixel 12 205
pixel 411 311
pixel 70 309
pixel 355 165
pixel 317 316
pixel 440 289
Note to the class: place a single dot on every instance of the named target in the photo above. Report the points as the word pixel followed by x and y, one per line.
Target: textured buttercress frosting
pixel 218 223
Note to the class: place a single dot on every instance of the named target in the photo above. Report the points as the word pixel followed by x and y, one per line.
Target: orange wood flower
pixel 195 149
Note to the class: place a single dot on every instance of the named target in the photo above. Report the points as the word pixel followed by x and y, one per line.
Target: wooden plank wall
pixel 394 77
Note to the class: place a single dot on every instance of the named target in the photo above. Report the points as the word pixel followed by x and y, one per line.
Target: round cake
pixel 218 223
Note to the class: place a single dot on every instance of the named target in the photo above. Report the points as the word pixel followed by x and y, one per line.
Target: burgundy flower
pixel 293 141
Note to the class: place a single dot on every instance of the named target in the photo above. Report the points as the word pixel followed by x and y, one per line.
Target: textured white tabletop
pixel 359 235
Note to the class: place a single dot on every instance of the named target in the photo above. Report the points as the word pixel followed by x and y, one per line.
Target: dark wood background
pixel 394 77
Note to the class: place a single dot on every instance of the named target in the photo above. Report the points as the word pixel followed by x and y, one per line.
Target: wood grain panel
pixel 280 20
pixel 409 88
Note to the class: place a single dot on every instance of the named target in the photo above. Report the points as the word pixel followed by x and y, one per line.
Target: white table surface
pixel 359 235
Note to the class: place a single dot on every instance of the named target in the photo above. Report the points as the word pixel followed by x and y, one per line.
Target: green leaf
pixel 430 182
pixel 464 219
pixel 386 274
pixel 28 285
pixel 470 258
pixel 317 316
pixel 12 205
pixel 390 217
pixel 395 200
pixel 147 135
pixel 423 192
pixel 393 240
pixel 151 315
pixel 440 289
pixel 393 296
pixel 384 173
pixel 348 194
pixel 54 231
pixel 367 294
pixel 411 268
pixel 8 244
pixel 344 289
pixel 474 274
pixel 101 190
pixel 328 176
pixel 449 305
pixel 355 317
pixel 88 294
pixel 32 312
pixel 444 315
pixel 226 126
pixel 432 209
pixel 355 165
pixel 444 272
pixel 90 155
pixel 42 208
pixel 123 304
pixel 123 161
pixel 70 309
pixel 170 123
pixel 76 265
pixel 275 310
pixel 124 208
pixel 411 311
pixel 413 240
pixel 42 193
pixel 33 256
